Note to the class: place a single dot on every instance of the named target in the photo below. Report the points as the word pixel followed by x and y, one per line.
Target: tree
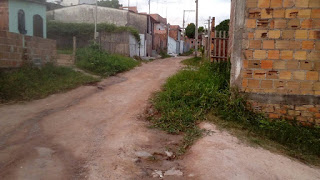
pixel 110 3
pixel 223 26
pixel 201 29
pixel 190 30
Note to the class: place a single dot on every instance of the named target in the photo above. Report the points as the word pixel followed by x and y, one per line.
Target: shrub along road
pixel 96 132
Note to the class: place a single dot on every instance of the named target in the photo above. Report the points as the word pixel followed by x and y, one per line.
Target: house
pixel 160 33
pixel 27 17
pixel 23 34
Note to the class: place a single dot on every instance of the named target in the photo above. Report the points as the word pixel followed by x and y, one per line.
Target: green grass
pixel 101 63
pixel 190 52
pixel 190 95
pixel 64 51
pixel 28 83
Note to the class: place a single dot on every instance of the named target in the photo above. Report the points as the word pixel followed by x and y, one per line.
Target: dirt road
pixel 96 132
pixel 92 132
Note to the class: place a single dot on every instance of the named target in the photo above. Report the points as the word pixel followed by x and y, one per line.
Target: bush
pixel 101 63
pixel 86 29
pixel 191 94
pixel 29 83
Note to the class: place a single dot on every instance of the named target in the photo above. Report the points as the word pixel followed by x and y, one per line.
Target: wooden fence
pixel 219 46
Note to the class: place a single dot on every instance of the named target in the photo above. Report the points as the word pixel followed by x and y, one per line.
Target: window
pixel 37 26
pixel 22 22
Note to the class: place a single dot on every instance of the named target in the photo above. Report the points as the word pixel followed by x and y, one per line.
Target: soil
pixel 98 132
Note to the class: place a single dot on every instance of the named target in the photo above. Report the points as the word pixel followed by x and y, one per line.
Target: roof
pixel 158 18
pixel 175 27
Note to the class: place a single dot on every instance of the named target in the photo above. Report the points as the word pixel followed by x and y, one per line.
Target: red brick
pixel 266 64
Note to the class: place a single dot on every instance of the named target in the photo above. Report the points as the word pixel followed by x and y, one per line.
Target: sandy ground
pixel 222 156
pixel 97 132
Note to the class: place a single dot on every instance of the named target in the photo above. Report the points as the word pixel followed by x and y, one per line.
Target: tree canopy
pixel 201 29
pixel 223 26
pixel 190 30
pixel 110 3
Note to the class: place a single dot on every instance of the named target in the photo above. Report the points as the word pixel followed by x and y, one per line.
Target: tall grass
pixel 190 95
pixel 29 83
pixel 101 63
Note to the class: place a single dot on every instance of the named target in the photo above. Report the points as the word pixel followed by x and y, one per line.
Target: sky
pixel 173 10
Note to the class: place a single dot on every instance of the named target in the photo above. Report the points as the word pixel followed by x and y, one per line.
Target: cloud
pixel 173 9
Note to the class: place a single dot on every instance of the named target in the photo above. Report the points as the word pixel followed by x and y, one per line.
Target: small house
pixel 27 17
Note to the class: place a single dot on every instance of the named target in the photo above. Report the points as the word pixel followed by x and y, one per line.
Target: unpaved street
pixel 96 132
pixel 91 132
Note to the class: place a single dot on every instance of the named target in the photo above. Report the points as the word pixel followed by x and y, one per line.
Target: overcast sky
pixel 173 9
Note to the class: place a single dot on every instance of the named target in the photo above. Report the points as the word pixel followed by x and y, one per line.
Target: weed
pixel 101 63
pixel 164 55
pixel 189 96
pixel 188 53
pixel 29 83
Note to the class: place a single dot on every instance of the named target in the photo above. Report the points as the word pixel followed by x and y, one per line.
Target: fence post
pixel 74 48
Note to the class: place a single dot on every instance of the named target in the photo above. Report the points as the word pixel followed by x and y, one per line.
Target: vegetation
pixel 188 53
pixel 203 88
pixel 29 83
pixel 190 30
pixel 164 55
pixel 65 51
pixel 223 26
pixel 84 29
pixel 201 29
pixel 94 60
pixel 110 3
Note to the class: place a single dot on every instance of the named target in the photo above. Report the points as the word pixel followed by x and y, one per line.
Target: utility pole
pixel 209 38
pixel 197 35
pixel 149 7
pixel 95 22
pixel 128 4
pixel 184 14
pixel 168 37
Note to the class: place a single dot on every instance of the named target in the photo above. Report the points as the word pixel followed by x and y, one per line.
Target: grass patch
pixel 164 55
pixel 28 83
pixel 190 95
pixel 65 51
pixel 101 63
pixel 188 53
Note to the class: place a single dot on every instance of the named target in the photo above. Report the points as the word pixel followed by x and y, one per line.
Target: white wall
pixel 172 47
pixel 135 47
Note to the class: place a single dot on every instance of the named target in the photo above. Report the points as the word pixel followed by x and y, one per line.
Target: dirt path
pixel 96 132
pixel 222 156
pixel 92 132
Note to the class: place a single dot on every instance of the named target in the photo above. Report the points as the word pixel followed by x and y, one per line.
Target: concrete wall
pixel 17 49
pixel 86 14
pixel 276 56
pixel 122 43
pixel 30 9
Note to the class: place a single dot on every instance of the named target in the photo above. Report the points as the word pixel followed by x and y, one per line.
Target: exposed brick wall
pixel 281 54
pixel 13 54
pixel 4 14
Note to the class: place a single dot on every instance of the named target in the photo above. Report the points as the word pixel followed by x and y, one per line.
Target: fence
pixel 219 46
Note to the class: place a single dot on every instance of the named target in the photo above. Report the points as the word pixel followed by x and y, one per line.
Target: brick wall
pixel 4 14
pixel 35 50
pixel 281 56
